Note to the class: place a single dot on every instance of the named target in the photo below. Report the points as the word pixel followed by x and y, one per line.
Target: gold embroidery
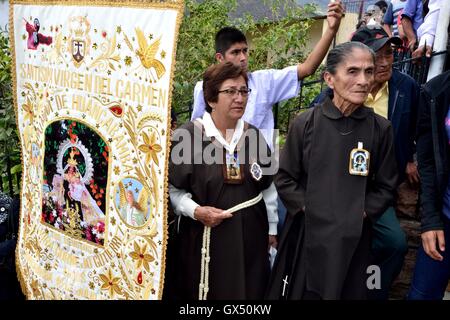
pixel 56 93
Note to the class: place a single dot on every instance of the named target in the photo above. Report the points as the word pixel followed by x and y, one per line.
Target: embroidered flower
pixel 150 147
pixel 128 60
pixel 28 109
pixel 35 288
pixel 142 258
pixel 101 227
pixel 110 283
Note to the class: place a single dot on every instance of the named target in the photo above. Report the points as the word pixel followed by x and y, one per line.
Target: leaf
pixel 16 169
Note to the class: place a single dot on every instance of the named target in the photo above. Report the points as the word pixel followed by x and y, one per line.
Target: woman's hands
pixel 210 216
pixel 272 241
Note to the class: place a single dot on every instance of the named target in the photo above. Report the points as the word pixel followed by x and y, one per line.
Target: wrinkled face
pixel 384 58
pixel 236 54
pixel 354 77
pixel 230 106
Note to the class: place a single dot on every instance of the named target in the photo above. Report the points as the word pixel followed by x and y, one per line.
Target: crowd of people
pixel 339 171
pixel 413 21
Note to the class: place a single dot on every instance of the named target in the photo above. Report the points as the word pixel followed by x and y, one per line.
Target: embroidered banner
pixel 93 90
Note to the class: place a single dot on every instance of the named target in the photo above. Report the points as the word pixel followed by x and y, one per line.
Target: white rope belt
pixel 204 269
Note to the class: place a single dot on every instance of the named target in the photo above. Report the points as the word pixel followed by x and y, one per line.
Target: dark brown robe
pixel 239 266
pixel 324 251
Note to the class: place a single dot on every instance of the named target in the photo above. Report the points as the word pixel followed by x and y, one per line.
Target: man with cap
pixel 395 96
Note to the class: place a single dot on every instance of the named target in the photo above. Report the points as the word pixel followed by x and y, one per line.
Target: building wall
pixel 315 33
pixel 347 27
pixel 4 13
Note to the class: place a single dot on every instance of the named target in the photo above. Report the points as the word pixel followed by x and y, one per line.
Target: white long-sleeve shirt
pixel 182 200
pixel 427 31
pixel 268 87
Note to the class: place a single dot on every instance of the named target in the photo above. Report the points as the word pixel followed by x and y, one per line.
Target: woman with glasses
pixel 223 195
pixel 337 176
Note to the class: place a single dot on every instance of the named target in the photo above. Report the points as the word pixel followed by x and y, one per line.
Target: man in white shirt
pixel 427 31
pixel 268 86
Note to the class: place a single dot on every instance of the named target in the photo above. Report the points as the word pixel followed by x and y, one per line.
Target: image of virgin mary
pixel 90 212
pixel 74 198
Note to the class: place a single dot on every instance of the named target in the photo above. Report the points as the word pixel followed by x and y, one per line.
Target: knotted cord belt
pixel 204 269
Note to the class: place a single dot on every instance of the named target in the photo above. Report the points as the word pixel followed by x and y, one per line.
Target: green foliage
pixel 277 42
pixel 195 51
pixel 274 43
pixel 280 42
pixel 9 141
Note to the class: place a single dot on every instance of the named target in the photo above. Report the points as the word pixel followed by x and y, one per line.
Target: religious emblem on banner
pixel 79 40
pixel 92 94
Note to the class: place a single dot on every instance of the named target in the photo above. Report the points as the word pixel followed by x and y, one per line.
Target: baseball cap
pixel 374 37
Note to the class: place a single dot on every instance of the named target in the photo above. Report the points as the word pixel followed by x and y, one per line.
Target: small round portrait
pixel 132 201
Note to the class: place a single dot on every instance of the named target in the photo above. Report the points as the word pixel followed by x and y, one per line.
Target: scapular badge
pixel 233 171
pixel 256 171
pixel 359 161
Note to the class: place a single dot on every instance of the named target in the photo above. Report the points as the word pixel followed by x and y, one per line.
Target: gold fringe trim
pixel 168 144
pixel 19 271
pixel 170 4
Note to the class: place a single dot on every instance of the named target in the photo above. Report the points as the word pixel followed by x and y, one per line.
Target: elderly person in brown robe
pixel 226 205
pixel 337 176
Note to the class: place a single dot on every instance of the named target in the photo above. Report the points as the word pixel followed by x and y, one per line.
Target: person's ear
pixel 329 79
pixel 213 105
pixel 219 57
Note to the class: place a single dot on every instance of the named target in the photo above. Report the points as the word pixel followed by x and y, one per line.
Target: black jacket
pixel 9 285
pixel 433 149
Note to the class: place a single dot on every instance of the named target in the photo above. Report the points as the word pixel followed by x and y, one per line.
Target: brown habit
pixel 325 250
pixel 239 267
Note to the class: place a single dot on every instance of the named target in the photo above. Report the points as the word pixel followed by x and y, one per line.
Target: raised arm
pixel 334 16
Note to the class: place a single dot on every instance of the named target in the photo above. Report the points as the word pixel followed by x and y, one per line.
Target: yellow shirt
pixel 379 103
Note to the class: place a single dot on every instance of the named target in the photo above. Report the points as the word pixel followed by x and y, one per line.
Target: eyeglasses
pixel 232 91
